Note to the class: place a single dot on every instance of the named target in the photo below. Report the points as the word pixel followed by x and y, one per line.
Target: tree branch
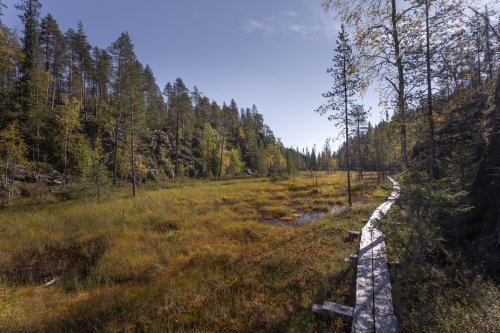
pixel 392 83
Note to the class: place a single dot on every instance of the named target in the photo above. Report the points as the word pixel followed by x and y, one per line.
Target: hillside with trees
pixel 96 115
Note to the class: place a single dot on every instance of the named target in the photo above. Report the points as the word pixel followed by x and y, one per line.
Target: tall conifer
pixel 346 84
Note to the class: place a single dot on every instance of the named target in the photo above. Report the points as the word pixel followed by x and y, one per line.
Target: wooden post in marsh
pixel 373 311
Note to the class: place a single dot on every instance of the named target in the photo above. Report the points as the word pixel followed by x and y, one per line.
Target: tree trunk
pixel 429 94
pixel 221 153
pixel 132 148
pixel 177 139
pixel 115 162
pixel 360 172
pixel 401 86
pixel 349 199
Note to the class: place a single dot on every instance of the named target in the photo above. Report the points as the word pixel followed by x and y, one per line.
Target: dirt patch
pixel 163 227
pixel 53 260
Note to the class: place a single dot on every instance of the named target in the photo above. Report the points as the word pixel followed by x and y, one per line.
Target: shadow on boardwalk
pixel 373 311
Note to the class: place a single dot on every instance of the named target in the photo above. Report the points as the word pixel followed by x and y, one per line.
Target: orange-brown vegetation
pixel 199 257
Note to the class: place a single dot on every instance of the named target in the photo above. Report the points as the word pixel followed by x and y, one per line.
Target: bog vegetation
pixel 196 256
pixel 142 208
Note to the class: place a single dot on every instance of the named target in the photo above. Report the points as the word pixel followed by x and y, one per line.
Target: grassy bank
pixel 204 256
pixel 443 283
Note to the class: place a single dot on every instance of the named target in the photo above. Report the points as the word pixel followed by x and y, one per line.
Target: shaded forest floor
pixel 198 256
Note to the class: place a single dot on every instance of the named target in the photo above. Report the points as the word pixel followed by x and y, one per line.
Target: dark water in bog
pixel 304 216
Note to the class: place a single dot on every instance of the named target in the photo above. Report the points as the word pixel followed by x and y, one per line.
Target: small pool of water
pixel 304 216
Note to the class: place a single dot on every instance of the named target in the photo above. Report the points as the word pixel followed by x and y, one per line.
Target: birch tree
pixel 13 151
pixel 68 121
pixel 383 34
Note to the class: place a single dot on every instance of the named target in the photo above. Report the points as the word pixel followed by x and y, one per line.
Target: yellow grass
pixel 202 257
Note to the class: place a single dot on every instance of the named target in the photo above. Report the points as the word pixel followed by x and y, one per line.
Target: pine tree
pixel 181 109
pixel 82 66
pixel 383 34
pixel 346 85
pixel 167 116
pixel 129 102
pixel 102 72
pixel 136 117
pixel 53 49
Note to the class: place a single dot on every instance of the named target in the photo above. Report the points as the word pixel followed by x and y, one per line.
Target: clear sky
pixel 271 53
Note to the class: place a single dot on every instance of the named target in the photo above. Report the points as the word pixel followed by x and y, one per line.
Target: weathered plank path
pixel 373 311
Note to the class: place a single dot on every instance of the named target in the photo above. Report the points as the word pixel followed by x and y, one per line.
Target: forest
pixel 82 126
pixel 98 115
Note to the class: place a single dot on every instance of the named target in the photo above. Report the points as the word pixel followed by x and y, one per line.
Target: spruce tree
pixel 31 35
pixel 35 79
pixel 314 162
pixel 102 72
pixel 11 57
pixel 152 98
pixel 359 118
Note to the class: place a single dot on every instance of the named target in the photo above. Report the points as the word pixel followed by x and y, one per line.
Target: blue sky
pixel 271 53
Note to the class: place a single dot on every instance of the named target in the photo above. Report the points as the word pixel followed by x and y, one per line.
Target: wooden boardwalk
pixel 373 311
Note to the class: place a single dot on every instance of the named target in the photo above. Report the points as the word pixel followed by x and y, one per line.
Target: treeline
pixel 97 114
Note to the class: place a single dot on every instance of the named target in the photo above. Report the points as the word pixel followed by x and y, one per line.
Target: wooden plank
pixel 363 321
pixel 382 287
pixel 354 234
pixel 339 311
pixel 334 310
pixel 317 308
pixel 338 308
pixel 385 323
pixel 385 320
pixel 374 311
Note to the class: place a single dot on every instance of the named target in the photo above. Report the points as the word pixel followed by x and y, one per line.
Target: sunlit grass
pixel 197 256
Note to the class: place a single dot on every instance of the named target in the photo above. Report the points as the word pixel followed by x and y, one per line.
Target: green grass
pixel 197 256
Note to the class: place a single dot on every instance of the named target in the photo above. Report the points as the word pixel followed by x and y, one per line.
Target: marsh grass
pixel 194 257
